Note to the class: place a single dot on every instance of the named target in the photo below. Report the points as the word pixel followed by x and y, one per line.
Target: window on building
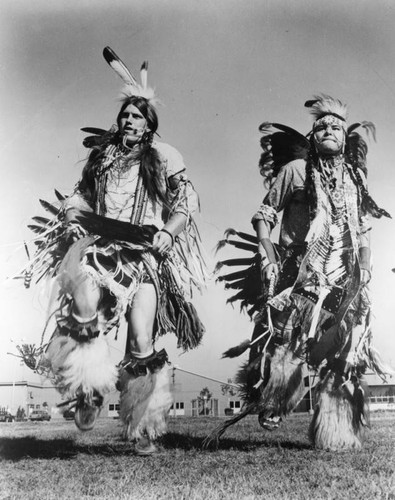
pixel 179 406
pixel 234 404
pixel 38 407
pixel 117 408
pixel 111 407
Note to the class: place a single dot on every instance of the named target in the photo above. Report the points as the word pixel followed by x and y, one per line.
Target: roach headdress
pixel 131 86
pixel 326 109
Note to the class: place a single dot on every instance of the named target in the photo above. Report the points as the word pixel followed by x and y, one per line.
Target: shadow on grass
pixel 15 449
pixel 19 448
pixel 173 440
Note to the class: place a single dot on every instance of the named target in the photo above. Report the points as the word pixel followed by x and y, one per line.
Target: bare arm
pixel 267 252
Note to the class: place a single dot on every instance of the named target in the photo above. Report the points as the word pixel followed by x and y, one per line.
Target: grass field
pixel 55 461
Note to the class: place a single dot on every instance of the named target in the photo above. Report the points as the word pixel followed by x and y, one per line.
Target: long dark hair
pixel 151 165
pixel 146 109
pixel 355 154
pixel 152 169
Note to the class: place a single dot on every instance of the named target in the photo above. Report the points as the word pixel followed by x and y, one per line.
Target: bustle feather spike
pixel 59 195
pixel 232 276
pixel 94 130
pixel 233 263
pixel 244 236
pixel 49 207
pixel 238 244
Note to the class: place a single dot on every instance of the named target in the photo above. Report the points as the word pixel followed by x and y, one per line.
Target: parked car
pixel 5 416
pixel 39 416
pixel 69 414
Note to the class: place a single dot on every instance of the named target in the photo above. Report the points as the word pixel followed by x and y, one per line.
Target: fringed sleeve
pixel 183 199
pixel 181 195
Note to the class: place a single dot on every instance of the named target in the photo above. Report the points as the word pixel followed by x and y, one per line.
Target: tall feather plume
pixel 119 67
pixel 131 87
pixel 144 75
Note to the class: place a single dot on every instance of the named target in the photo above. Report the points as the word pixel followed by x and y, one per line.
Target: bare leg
pixel 141 318
pixel 86 298
pixel 144 379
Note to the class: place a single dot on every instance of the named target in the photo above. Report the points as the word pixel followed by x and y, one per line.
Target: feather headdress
pixel 131 86
pixel 325 105
pixel 282 144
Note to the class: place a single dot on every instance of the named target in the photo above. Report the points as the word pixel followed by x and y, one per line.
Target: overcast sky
pixel 220 67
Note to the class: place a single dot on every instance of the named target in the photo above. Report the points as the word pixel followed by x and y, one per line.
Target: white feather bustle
pixel 336 423
pixel 81 367
pixel 145 402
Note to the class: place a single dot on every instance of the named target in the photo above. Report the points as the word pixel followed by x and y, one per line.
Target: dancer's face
pixel 132 124
pixel 329 137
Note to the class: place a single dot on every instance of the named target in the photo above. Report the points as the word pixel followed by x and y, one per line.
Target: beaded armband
pixel 266 213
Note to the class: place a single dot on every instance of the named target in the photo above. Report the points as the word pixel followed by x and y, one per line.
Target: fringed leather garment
pixel 116 254
pixel 319 313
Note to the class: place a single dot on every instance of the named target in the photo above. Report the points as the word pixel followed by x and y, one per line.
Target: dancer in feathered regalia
pixel 314 310
pixel 124 243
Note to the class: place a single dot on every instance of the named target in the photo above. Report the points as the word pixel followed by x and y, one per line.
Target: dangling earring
pixel 344 142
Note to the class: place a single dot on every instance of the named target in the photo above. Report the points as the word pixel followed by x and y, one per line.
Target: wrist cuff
pixel 169 233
